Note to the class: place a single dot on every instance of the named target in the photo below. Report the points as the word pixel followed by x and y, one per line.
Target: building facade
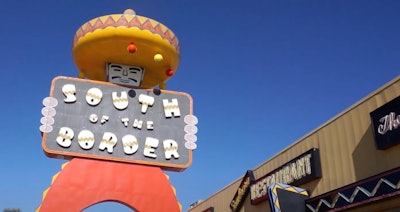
pixel 350 163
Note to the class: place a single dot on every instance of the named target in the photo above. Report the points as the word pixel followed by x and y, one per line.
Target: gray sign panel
pixel 91 119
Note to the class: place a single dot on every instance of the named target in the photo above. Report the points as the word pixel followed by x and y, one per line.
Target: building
pixel 350 163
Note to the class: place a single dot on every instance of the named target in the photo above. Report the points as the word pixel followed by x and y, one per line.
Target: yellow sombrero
pixel 126 39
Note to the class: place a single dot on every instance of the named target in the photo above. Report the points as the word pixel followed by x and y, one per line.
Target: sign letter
pixel 86 139
pixel 69 91
pixel 146 101
pixel 130 144
pixel 170 148
pixel 93 96
pixel 121 103
pixel 65 136
pixel 108 142
pixel 171 108
pixel 149 146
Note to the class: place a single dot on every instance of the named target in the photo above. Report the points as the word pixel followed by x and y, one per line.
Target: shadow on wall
pixel 369 161
pixel 364 156
pixel 311 185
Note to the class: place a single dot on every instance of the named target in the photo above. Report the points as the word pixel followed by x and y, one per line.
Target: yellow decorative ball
pixel 158 57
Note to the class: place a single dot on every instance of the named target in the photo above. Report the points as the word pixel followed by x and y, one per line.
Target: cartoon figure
pixel 132 52
pixel 143 47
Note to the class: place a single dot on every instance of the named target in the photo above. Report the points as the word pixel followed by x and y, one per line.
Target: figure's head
pixel 136 50
pixel 124 75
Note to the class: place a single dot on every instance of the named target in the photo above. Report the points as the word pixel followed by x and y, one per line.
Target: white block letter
pixel 108 142
pixel 93 96
pixel 171 108
pixel 150 125
pixel 125 121
pixel 93 118
pixel 138 124
pixel 130 144
pixel 146 101
pixel 86 139
pixel 120 102
pixel 170 148
pixel 69 92
pixel 104 119
pixel 65 135
pixel 149 147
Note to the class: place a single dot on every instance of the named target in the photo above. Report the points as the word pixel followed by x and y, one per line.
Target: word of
pixel 138 124
pixel 94 118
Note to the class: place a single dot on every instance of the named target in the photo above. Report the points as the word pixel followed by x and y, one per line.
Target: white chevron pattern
pixel 350 199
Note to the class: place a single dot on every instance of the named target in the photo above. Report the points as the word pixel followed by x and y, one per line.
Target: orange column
pixel 85 182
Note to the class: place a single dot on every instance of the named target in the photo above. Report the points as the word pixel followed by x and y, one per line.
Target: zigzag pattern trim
pixel 358 190
pixel 52 181
pixel 65 164
pixel 128 21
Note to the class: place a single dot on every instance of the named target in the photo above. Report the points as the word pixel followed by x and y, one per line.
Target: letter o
pixel 93 96
pixel 86 139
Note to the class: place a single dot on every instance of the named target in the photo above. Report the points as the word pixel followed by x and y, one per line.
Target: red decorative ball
pixel 131 48
pixel 169 72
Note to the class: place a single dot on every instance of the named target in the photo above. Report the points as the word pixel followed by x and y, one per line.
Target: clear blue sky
pixel 262 74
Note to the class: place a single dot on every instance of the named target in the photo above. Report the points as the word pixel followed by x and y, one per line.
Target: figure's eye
pixel 116 67
pixel 134 70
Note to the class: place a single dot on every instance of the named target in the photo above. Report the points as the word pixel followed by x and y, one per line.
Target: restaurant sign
pixel 242 191
pixel 386 123
pixel 92 119
pixel 300 170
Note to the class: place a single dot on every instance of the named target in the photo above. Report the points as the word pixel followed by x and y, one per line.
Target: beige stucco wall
pixel 347 150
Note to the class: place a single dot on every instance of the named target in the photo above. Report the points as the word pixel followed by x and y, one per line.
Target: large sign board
pixel 300 170
pixel 386 123
pixel 100 120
